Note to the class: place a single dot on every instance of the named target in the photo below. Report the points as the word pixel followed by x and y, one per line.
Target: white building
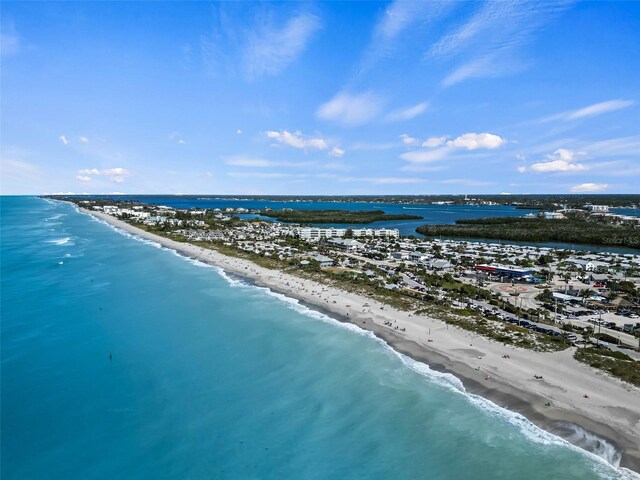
pixel 597 208
pixel 312 234
pixel 376 232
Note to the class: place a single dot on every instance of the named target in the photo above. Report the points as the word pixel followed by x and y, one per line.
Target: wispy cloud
pixel 589 111
pixel 407 113
pixel 589 187
pixel 242 161
pixel 177 138
pixel 425 156
pixel 378 180
pixel 351 109
pixel 63 139
pixel 270 49
pixel 402 17
pixel 336 152
pixel 408 140
pixel 256 162
pixel 267 175
pixel 9 39
pixel 467 182
pixel 254 40
pixel 488 41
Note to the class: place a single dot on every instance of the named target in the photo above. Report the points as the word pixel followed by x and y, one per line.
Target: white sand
pixel 612 409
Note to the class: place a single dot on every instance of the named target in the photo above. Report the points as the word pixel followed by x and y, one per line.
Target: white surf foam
pixel 60 241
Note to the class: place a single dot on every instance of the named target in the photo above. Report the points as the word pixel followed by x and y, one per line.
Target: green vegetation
pixel 499 331
pixel 334 216
pixel 616 363
pixel 569 230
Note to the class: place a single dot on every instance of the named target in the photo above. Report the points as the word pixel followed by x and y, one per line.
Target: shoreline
pixel 611 409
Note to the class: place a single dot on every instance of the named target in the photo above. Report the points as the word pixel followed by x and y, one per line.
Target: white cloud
pixel 564 154
pixel 434 142
pixel 522 169
pixel 83 139
pixel 474 141
pixel 557 166
pixel 351 110
pixel 115 175
pixel 297 140
pixel 407 140
pixel 176 137
pixel 336 152
pixel 425 156
pixel 242 161
pixel 589 187
pixel 408 113
pixel 238 131
pixel 270 49
pixel 562 160
pixel 63 139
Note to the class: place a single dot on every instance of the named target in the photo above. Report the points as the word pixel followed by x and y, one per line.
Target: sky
pixel 342 98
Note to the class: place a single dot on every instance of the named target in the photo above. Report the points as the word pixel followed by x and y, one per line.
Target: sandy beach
pixel 568 392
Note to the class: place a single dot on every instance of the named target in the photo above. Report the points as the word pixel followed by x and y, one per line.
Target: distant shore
pixel 574 394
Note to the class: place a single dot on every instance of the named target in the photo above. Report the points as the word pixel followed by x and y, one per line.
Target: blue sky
pixel 320 98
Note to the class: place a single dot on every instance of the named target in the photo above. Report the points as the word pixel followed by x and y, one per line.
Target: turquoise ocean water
pixel 214 378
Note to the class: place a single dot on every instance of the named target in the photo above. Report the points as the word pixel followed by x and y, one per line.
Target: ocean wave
pixel 61 241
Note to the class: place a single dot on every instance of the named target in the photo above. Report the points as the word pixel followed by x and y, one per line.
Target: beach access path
pixel 548 388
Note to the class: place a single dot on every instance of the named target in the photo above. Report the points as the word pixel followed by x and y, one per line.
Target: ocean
pixel 122 359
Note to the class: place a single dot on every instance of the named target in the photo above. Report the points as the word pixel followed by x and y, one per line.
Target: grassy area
pixel 496 330
pixel 334 216
pixel 615 363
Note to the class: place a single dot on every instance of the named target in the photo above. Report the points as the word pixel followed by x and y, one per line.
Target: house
pixel 418 257
pixel 588 265
pixel 347 245
pixel 323 260
pixel 440 264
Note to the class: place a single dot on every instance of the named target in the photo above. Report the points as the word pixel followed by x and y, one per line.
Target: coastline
pixel 611 411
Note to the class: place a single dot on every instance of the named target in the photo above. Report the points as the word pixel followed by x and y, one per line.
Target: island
pixel 570 228
pixel 334 216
